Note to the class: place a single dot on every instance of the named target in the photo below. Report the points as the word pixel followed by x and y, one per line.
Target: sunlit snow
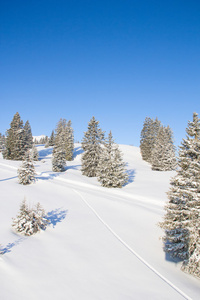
pixel 101 243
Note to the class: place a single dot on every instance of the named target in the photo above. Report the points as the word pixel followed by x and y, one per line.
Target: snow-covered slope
pixel 101 244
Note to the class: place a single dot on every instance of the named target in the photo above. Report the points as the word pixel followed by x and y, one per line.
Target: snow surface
pixel 101 244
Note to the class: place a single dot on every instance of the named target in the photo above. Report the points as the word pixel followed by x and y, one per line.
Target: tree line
pixel 157 145
pixel 101 158
pixel 181 221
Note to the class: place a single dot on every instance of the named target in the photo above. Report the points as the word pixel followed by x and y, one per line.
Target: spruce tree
pixel 111 168
pixel 92 146
pixel 52 139
pixel 43 140
pixel 145 139
pixel 46 144
pixel 163 154
pixel 59 150
pixel 28 136
pixel 15 140
pixel 183 210
pixel 69 141
pixel 22 223
pixel 26 172
pixel 148 137
pixel 2 142
pixel 40 220
pixel 169 159
pixel 35 154
pixel 30 220
pixel 192 264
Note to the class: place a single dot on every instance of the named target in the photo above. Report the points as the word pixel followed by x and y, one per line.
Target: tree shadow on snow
pixel 9 246
pixel 56 216
pixel 76 167
pixel 169 258
pixel 131 176
pixel 8 178
pixel 48 175
pixel 45 152
pixel 77 151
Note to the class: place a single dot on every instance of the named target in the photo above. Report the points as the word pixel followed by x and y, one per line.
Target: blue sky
pixel 119 61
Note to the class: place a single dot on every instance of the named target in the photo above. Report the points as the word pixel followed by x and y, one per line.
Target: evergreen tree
pixel 40 220
pixel 145 139
pixel 42 140
pixel 26 172
pixel 59 150
pixel 2 142
pixel 30 220
pixel 35 154
pixel 91 144
pixel 28 136
pixel 192 264
pixel 46 144
pixel 52 139
pixel 69 141
pixel 148 137
pixel 22 223
pixel 45 140
pixel 15 141
pixel 111 168
pixel 163 154
pixel 183 210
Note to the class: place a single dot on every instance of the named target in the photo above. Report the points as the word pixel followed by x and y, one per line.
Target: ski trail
pixel 8 166
pixel 113 193
pixel 132 251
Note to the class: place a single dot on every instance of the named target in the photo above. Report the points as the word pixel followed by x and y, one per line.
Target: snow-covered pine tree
pixel 111 168
pixel 148 137
pixel 69 141
pixel 26 172
pixel 59 151
pixel 22 223
pixel 52 139
pixel 192 264
pixel 30 220
pixel 92 146
pixel 145 143
pixel 40 220
pixel 42 140
pixel 170 160
pixel 28 136
pixel 183 209
pixel 46 144
pixel 15 140
pixel 2 142
pixel 46 139
pixel 163 154
pixel 34 153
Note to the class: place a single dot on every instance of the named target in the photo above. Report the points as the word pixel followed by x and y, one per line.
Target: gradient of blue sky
pixel 117 60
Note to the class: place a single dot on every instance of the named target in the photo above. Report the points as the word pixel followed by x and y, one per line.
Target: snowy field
pixel 101 243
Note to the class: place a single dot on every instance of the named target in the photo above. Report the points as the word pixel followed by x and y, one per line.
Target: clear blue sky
pixel 117 60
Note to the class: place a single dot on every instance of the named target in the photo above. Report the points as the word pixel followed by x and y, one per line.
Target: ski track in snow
pixel 112 193
pixel 8 166
pixel 132 251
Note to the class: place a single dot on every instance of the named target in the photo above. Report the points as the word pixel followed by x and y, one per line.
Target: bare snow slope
pixel 101 244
